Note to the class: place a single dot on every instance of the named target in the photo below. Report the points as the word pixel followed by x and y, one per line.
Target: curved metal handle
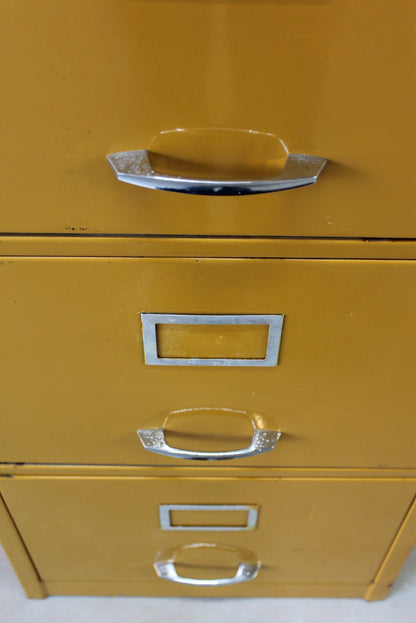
pixel 134 167
pixel 153 439
pixel 247 569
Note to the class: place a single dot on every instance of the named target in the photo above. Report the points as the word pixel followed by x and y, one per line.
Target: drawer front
pixel 326 78
pixel 75 385
pixel 329 532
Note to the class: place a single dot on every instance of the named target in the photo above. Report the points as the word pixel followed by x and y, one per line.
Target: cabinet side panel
pixel 18 555
pixel 400 549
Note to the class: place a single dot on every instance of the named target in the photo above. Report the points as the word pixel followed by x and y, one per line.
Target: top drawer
pixel 329 78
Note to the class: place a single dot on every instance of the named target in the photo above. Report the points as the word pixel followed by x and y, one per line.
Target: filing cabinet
pixel 208 392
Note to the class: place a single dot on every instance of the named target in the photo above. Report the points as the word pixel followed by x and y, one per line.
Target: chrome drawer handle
pixel 247 569
pixel 134 167
pixel 153 439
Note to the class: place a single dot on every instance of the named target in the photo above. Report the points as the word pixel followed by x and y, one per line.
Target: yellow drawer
pixel 331 79
pixel 103 535
pixel 75 385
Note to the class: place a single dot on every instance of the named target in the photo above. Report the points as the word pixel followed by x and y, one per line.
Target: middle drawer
pixel 76 385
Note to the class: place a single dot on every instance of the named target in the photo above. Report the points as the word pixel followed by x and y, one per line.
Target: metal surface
pixel 247 569
pixel 71 349
pixel 96 530
pixel 134 167
pixel 154 440
pixel 166 523
pixel 149 322
pixel 298 80
pixel 84 336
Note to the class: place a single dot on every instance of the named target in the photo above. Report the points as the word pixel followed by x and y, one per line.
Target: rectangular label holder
pixel 166 519
pixel 152 358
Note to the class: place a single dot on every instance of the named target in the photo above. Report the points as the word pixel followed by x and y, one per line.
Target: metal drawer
pixel 75 385
pixel 101 535
pixel 326 78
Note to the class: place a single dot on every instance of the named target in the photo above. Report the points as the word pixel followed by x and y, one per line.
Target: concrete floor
pixel 399 607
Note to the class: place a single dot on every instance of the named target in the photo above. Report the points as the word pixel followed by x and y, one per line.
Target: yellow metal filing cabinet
pixel 208 392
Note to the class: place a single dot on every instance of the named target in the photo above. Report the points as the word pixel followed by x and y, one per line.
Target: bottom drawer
pixel 291 536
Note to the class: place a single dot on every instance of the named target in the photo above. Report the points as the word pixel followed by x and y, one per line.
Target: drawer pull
pixel 246 571
pixel 154 440
pixel 134 167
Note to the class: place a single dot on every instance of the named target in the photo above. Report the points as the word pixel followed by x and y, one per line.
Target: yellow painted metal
pixel 176 590
pixel 212 341
pixel 395 558
pixel 75 386
pixel 219 429
pixel 142 246
pixel 203 518
pixel 108 246
pixel 216 153
pixel 334 79
pixel 9 470
pixel 106 530
pixel 18 555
